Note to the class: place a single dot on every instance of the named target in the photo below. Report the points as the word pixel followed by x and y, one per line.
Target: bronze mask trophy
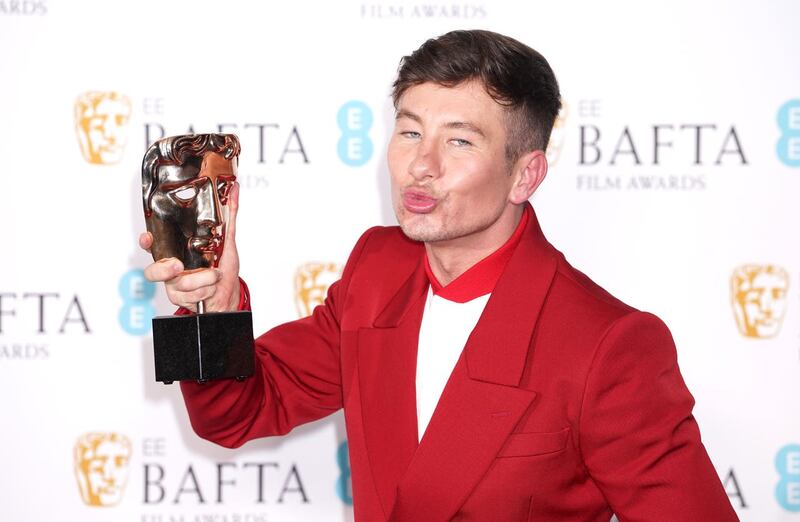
pixel 185 184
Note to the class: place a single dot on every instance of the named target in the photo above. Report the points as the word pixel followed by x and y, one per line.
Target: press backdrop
pixel 674 184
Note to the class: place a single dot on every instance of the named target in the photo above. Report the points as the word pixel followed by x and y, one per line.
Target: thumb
pixel 233 210
pixel 229 261
pixel 145 241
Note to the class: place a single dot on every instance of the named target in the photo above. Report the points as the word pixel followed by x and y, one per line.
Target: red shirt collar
pixel 481 277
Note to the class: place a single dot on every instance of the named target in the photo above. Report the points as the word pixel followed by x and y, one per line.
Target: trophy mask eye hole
pixel 184 195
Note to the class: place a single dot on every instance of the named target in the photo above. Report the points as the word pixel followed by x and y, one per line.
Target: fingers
pixel 186 288
pixel 190 299
pixel 163 270
pixel 145 241
pixel 193 280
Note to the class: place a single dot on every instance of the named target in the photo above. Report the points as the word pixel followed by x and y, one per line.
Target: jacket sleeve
pixel 297 377
pixel 638 437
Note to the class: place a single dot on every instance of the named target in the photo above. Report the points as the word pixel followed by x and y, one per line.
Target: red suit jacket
pixel 566 404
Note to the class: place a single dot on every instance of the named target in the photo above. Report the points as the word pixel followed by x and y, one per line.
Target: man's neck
pixel 449 259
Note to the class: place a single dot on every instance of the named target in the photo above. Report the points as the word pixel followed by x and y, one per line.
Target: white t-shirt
pixel 446 326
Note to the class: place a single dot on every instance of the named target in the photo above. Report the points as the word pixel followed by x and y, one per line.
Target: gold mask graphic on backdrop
pixel 758 296
pixel 311 283
pixel 556 143
pixel 101 467
pixel 101 123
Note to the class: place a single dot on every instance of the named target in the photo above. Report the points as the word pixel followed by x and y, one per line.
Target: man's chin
pixel 422 233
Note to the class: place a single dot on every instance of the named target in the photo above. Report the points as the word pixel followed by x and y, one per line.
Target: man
pixel 482 377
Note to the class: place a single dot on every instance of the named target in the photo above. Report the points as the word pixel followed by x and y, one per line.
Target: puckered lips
pixel 418 201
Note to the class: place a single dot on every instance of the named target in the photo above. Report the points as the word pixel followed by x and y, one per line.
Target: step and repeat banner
pixel 674 184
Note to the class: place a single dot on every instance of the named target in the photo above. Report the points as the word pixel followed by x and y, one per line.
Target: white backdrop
pixel 672 167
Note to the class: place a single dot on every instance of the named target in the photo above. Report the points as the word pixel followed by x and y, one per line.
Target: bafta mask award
pixel 185 185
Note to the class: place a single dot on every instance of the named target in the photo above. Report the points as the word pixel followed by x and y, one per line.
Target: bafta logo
pixel 556 142
pixel 101 120
pixel 758 295
pixel 101 467
pixel 311 284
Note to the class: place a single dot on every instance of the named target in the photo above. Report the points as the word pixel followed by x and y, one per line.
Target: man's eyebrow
pixel 402 113
pixel 464 125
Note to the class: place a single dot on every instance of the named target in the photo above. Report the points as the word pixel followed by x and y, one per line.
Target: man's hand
pixel 218 287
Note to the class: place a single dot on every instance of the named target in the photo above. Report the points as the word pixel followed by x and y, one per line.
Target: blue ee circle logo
pixel 136 314
pixel 344 487
pixel 789 142
pixel 354 146
pixel 787 462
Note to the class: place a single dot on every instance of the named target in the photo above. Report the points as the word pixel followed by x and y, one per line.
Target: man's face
pixel 763 300
pixel 450 178
pixel 187 209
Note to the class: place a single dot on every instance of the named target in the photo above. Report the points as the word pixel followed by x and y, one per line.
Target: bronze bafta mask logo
pixel 556 142
pixel 101 122
pixel 758 295
pixel 186 181
pixel 311 283
pixel 101 467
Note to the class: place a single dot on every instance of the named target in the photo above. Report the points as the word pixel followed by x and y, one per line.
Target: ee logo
pixel 354 120
pixel 789 142
pixel 787 462
pixel 344 488
pixel 137 312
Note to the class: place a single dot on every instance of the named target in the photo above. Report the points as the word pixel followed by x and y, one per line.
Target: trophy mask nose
pixel 209 209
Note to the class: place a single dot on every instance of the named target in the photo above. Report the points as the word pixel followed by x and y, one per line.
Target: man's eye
pixel 458 142
pixel 410 134
pixel 185 194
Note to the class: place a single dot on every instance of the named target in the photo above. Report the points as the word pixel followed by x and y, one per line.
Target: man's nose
pixel 425 163
pixel 208 206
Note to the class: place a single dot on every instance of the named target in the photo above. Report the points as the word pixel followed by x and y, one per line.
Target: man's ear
pixel 529 172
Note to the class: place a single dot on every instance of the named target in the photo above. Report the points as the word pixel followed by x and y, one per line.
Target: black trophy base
pixel 203 347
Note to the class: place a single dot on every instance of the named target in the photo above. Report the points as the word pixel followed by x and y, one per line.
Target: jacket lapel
pixel 481 402
pixel 387 363
pixel 497 350
pixel 468 428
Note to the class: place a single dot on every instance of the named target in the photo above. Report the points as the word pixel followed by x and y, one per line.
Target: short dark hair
pixel 175 150
pixel 512 73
